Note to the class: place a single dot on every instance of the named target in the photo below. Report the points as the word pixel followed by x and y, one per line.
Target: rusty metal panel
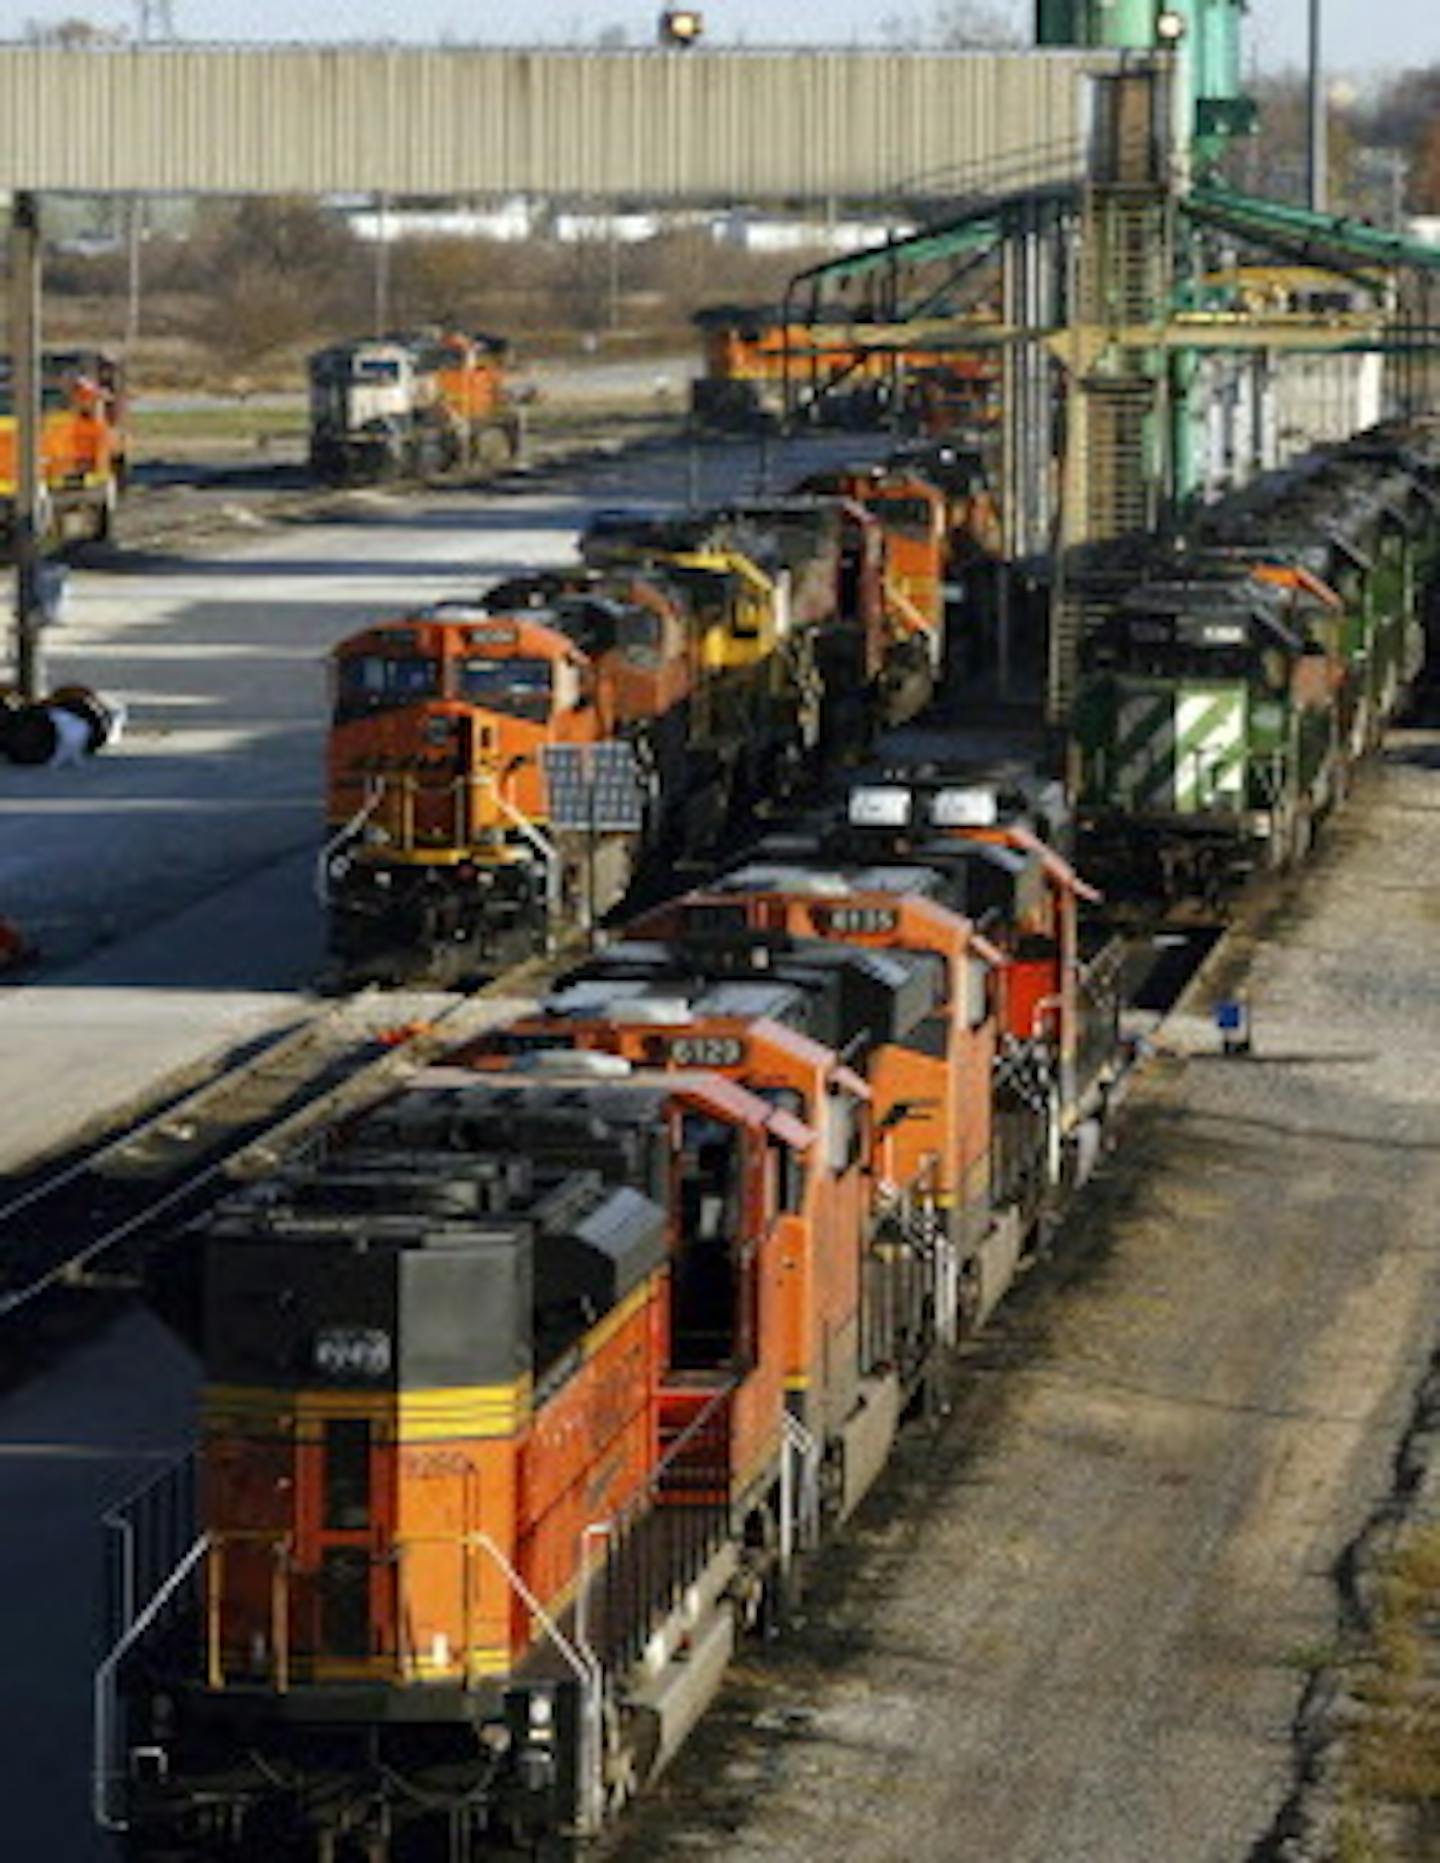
pixel 652 125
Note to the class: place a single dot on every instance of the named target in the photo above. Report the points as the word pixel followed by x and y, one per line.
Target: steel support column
pixel 25 391
pixel 1031 281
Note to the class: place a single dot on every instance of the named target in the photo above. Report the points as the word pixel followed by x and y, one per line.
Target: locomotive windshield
pixel 519 688
pixel 373 682
pixel 913 517
pixel 1168 658
pixel 1166 646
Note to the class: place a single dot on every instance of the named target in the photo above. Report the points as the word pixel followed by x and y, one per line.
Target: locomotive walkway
pixel 1078 1626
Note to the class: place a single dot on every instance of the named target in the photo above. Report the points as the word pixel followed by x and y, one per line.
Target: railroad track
pixel 219 498
pixel 88 1222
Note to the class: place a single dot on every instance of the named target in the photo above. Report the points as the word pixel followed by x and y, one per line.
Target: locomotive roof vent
pixel 914 879
pixel 656 1011
pixel 594 996
pixel 760 879
pixel 877 805
pixel 454 610
pixel 572 1061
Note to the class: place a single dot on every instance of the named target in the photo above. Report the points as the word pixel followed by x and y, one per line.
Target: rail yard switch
pixel 1232 1018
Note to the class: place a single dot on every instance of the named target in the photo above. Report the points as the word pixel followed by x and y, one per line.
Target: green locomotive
pixel 1230 679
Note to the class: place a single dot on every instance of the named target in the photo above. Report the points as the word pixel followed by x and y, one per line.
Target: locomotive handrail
pixel 588 1672
pixel 461 788
pixel 542 845
pixel 337 840
pixel 281 1544
pixel 620 1526
pixel 407 1658
pixel 120 1519
pixel 104 1698
pixel 799 1503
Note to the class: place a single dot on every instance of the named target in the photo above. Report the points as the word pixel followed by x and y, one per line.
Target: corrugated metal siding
pixel 707 126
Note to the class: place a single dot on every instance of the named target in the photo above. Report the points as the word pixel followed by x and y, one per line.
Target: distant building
pixel 520 219
pixel 751 232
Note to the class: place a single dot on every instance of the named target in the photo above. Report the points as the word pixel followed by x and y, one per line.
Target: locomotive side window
pixel 373 682
pixel 347 1474
pixel 790 1164
pixel 639 636
pixel 842 1132
pixel 519 688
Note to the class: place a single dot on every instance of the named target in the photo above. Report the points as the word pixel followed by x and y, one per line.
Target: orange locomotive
pixel 497 770
pixel 763 365
pixel 914 517
pixel 504 768
pixel 445 840
pixel 487 1392
pixel 522 1400
pixel 1058 999
pixel 83 445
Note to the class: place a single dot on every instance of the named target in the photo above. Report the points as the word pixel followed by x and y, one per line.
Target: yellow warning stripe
pixel 495 1410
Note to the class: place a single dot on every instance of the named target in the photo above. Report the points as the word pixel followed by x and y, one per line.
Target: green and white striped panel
pixel 1181 750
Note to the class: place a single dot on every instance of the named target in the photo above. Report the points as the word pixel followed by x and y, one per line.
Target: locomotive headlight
pixel 1169 26
pixel 542 1717
pixel 965 808
pixel 875 807
pixel 680 25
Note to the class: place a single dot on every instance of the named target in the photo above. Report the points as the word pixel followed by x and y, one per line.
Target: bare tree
pixel 267 274
pixel 953 26
pixel 73 35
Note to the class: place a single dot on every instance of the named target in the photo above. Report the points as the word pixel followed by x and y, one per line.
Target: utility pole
pixel 382 263
pixel 154 20
pixel 134 238
pixel 1317 150
pixel 25 391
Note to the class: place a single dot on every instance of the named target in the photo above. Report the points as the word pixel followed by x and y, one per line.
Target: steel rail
pixel 235 1126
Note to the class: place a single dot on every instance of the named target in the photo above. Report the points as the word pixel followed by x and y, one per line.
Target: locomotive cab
pixel 362 407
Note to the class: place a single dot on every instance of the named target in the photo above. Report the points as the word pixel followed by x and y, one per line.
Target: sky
pixel 1362 36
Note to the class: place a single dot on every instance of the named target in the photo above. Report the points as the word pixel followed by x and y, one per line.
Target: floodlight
pixel 681 25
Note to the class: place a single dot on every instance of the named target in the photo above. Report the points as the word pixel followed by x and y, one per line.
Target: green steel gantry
pixel 1103 316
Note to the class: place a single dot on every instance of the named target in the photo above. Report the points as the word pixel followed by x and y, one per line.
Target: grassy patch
pixel 221 423
pixel 1393 1756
